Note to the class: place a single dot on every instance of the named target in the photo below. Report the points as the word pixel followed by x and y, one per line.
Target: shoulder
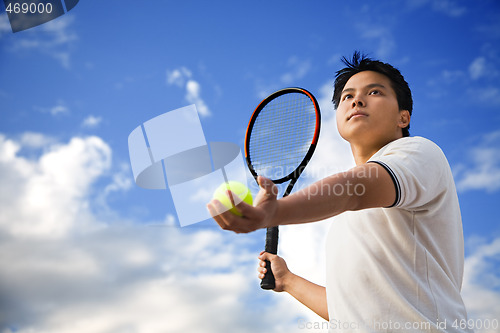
pixel 419 169
pixel 412 147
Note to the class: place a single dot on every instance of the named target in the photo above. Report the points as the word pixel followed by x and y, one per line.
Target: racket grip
pixel 268 282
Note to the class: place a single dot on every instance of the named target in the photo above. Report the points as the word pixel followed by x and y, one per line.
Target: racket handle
pixel 268 282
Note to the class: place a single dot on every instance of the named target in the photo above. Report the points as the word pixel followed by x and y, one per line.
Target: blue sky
pixel 79 249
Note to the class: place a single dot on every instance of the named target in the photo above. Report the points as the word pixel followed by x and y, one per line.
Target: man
pixel 395 251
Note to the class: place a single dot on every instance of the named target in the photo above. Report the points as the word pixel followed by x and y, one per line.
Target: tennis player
pixel 395 252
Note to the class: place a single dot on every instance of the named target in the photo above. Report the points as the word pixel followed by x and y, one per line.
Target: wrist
pixel 288 281
pixel 279 217
pixel 272 219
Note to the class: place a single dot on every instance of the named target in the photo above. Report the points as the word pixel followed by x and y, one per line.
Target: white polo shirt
pixel 400 269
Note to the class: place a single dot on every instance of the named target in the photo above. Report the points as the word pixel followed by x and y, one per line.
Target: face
pixel 368 112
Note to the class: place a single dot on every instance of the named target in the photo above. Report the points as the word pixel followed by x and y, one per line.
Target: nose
pixel 356 101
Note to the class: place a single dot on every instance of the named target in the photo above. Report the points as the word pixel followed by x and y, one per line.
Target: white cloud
pixel 477 68
pixel 94 278
pixel 481 285
pixel 54 38
pixel 193 95
pixel 49 191
pixel 382 36
pixel 35 140
pixel 447 7
pixel 439 85
pixel 485 71
pixel 297 70
pixel 91 121
pixel 483 170
pixel 4 25
pixel 483 67
pixel 452 76
pixel 294 70
pixel 335 60
pixel 488 95
pixel 377 30
pixel 139 279
pixel 121 181
pixel 64 270
pixel 58 109
pixel 491 27
pixel 478 80
pixel 182 78
pixel 178 76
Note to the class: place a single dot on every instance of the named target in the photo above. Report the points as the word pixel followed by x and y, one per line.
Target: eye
pixel 347 96
pixel 375 92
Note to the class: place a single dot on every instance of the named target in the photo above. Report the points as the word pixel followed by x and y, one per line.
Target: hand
pixel 278 266
pixel 258 216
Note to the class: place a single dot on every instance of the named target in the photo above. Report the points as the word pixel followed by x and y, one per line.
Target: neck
pixel 363 152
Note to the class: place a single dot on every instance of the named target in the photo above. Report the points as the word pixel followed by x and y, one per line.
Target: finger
pixel 220 221
pixel 237 202
pixel 220 214
pixel 268 256
pixel 226 219
pixel 248 222
pixel 246 210
pixel 215 207
pixel 232 197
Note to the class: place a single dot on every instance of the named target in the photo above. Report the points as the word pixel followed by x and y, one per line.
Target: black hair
pixel 360 63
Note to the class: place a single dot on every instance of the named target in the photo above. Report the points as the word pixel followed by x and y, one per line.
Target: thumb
pixel 267 191
pixel 267 186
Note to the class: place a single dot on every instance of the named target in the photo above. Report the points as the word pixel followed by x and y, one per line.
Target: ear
pixel 404 118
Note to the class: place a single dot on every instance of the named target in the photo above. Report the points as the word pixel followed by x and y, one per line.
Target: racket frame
pixel 268 282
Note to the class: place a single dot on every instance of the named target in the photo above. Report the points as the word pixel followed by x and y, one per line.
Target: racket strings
pixel 282 135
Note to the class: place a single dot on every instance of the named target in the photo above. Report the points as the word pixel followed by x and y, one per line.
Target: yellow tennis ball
pixel 237 188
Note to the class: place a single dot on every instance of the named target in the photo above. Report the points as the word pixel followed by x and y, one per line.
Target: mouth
pixel 357 114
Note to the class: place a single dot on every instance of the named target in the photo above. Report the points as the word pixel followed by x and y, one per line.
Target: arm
pixel 310 294
pixel 364 186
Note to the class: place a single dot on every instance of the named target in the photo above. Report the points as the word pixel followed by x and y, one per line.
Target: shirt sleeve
pixel 417 167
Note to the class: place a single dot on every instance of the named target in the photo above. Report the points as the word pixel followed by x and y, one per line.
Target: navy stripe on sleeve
pixel 397 186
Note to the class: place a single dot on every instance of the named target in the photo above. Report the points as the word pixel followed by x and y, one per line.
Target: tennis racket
pixel 280 140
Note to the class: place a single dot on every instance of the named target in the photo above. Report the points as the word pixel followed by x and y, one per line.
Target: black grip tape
pixel 268 282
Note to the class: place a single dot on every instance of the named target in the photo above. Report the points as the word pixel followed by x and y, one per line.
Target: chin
pixel 357 134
